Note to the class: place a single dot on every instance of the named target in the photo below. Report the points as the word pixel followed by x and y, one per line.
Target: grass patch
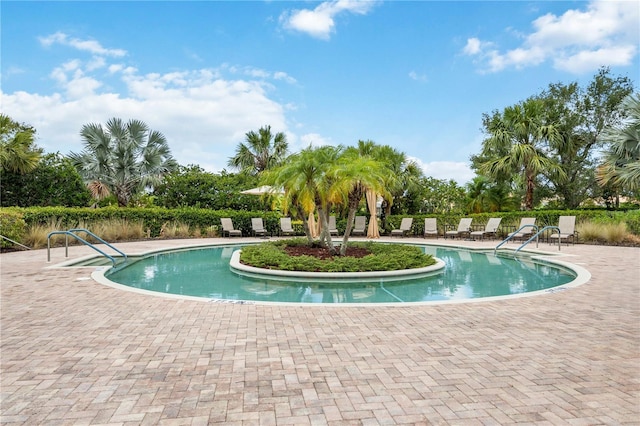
pixel 382 257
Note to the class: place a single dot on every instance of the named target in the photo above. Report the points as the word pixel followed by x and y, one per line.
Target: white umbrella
pixel 261 190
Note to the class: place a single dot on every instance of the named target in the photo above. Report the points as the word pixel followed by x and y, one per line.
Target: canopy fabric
pixel 313 226
pixel 261 190
pixel 372 231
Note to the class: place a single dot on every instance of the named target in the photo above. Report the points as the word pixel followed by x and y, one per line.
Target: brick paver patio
pixel 77 352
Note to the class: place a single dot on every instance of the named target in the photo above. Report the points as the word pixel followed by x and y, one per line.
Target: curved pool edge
pixel 252 271
pixel 582 277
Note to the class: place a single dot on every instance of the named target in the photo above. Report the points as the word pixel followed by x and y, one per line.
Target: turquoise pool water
pixel 205 272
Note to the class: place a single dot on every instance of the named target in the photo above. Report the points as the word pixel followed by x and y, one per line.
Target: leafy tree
pixel 581 115
pixel 54 182
pixel 438 196
pixel 621 165
pixel 261 151
pixel 192 186
pixel 18 153
pixel 122 158
pixel 517 143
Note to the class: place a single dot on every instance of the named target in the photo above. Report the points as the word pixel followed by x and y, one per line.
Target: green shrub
pixel 12 226
pixel 382 257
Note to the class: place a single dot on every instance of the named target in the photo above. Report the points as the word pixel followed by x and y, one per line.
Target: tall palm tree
pixel 520 136
pixel 18 153
pixel 621 165
pixel 260 151
pixel 122 158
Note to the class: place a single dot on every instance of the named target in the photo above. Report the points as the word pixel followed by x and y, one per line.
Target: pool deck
pixel 77 352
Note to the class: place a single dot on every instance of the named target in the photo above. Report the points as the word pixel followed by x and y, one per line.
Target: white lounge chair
pixel 333 230
pixel 285 226
pixel 360 226
pixel 257 227
pixel 463 228
pixel 525 230
pixel 567 225
pixel 405 227
pixel 490 229
pixel 430 227
pixel 228 229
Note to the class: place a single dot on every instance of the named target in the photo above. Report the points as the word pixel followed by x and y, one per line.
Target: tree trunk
pixel 530 186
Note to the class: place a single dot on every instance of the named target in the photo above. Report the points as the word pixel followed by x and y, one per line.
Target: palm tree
pixel 517 142
pixel 18 153
pixel 354 174
pixel 260 151
pixel 621 165
pixel 122 158
pixel 306 181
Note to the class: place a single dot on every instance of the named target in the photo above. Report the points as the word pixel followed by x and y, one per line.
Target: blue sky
pixel 416 75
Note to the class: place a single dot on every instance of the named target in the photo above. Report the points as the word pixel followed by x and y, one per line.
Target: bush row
pixel 14 221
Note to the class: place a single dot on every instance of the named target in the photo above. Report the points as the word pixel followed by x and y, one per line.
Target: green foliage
pixel 510 220
pixel 382 257
pixel 122 158
pixel 18 152
pixel 54 182
pixel 153 219
pixel 12 225
pixel 261 151
pixel 193 187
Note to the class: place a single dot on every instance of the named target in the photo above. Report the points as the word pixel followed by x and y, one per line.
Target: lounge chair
pixel 490 229
pixel 333 230
pixel 430 227
pixel 227 228
pixel 525 230
pixel 405 227
pixel 463 228
pixel 360 226
pixel 285 226
pixel 257 227
pixel 567 225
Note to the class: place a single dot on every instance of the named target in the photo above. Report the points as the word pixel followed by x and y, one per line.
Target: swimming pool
pixel 468 275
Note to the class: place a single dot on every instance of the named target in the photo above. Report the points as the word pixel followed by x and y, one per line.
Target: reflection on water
pixel 205 272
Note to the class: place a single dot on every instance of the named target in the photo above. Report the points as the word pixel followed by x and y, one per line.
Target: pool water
pixel 205 272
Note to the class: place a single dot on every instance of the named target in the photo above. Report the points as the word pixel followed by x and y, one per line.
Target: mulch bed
pixel 323 253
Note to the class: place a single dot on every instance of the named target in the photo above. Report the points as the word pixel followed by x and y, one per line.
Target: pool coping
pixel 582 277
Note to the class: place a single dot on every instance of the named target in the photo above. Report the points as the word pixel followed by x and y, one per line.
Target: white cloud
pixel 446 170
pixel 417 77
pixel 203 114
pixel 320 22
pixel 90 46
pixel 604 34
pixel 312 139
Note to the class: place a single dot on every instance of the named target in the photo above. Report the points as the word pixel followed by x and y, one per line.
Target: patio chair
pixel 257 227
pixel 285 226
pixel 524 233
pixel 227 228
pixel 430 227
pixel 405 227
pixel 463 228
pixel 333 230
pixel 360 226
pixel 567 225
pixel 490 229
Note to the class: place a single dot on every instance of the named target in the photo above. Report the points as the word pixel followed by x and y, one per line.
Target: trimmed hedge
pixel 152 218
pixel 512 219
pixel 12 225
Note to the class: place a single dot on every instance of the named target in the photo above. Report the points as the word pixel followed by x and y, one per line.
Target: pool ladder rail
pixel 72 233
pixel 534 237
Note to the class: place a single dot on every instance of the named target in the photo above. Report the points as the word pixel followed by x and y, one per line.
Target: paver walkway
pixel 77 352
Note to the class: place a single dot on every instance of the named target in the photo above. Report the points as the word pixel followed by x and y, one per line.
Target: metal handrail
pixel 536 237
pixel 513 234
pixel 71 232
pixel 14 242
